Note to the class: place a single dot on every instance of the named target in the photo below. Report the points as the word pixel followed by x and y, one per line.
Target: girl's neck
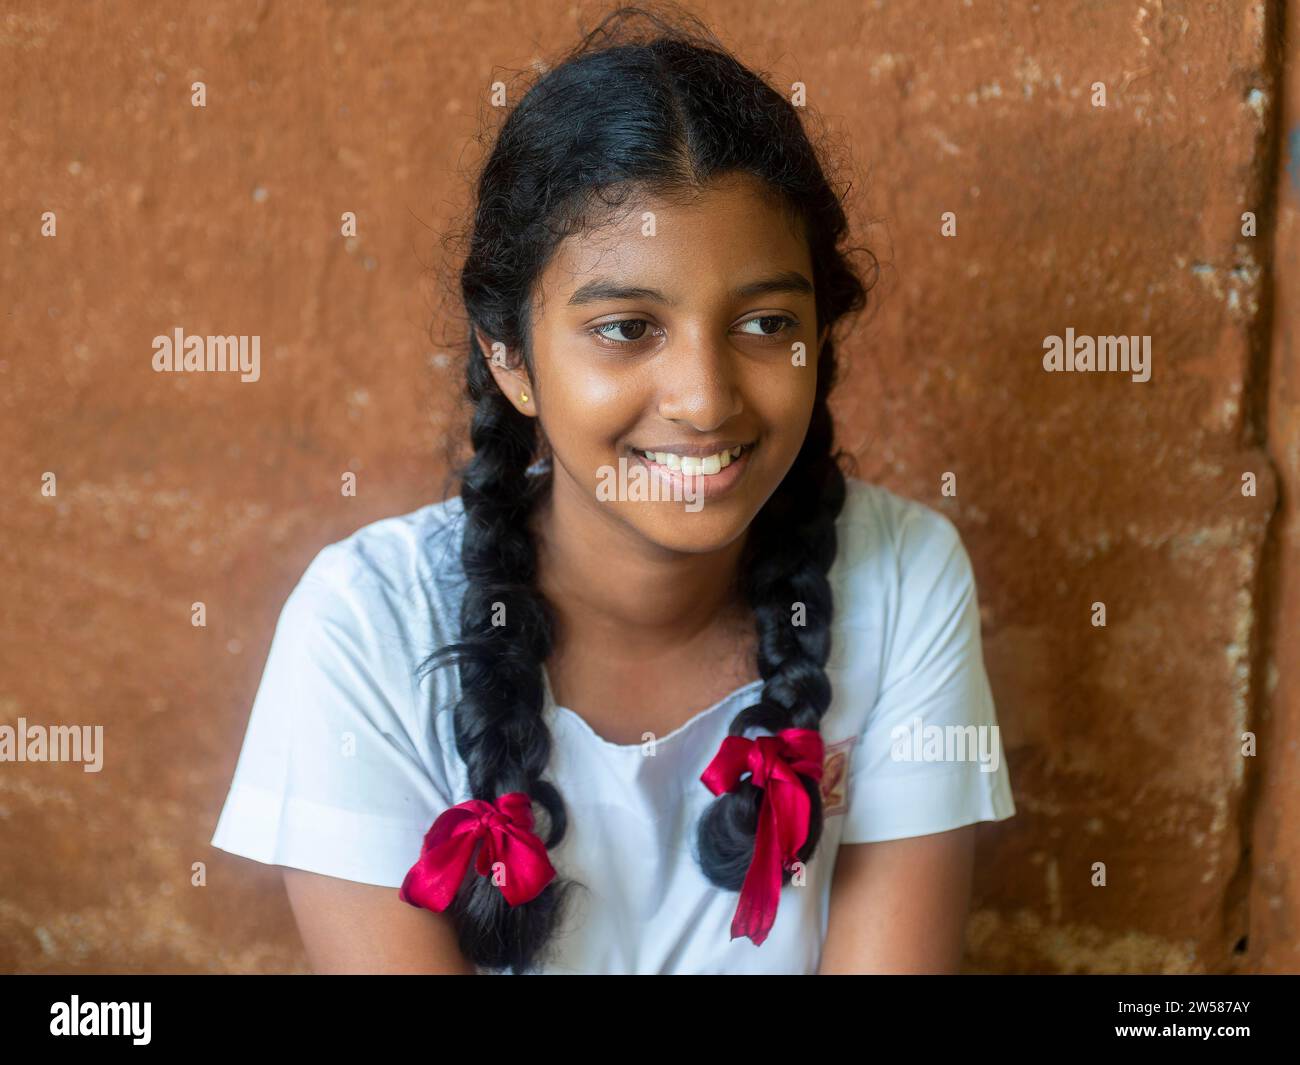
pixel 605 580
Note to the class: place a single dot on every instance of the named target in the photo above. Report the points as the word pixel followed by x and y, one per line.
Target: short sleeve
pixel 930 757
pixel 332 777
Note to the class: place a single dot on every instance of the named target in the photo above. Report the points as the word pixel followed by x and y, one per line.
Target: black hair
pixel 623 113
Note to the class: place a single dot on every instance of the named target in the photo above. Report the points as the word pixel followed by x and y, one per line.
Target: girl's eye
pixel 634 326
pixel 770 325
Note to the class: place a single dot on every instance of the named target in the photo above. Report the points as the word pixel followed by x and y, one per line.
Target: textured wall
pixel 1072 488
pixel 1274 792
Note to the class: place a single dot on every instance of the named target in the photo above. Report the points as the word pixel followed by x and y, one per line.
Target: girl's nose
pixel 700 383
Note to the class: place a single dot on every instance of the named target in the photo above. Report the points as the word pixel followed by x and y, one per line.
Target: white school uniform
pixel 349 757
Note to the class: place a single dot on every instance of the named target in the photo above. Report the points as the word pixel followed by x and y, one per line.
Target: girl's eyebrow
pixel 607 289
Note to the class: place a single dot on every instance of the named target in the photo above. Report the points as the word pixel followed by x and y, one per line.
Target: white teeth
pixel 692 465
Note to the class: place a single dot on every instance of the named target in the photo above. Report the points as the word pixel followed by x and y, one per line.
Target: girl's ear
pixel 510 378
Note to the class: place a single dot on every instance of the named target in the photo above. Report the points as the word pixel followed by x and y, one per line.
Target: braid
pixel 790 550
pixel 506 631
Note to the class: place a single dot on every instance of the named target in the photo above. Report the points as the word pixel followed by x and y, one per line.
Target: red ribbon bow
pixel 775 764
pixel 506 831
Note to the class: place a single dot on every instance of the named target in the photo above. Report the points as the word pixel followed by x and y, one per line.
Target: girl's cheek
pixel 779 398
pixel 594 392
pixel 604 401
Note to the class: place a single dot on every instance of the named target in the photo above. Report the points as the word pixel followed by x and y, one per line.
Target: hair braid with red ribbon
pixel 775 764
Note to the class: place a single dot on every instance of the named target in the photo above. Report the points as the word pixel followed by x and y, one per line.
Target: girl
pixel 687 677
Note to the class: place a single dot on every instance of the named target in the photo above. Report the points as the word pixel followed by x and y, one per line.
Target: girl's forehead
pixel 728 228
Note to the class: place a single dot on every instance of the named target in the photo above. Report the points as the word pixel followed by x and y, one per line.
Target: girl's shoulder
pixel 883 533
pixel 390 592
pixel 396 551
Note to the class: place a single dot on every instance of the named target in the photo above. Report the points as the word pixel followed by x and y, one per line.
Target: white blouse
pixel 349 756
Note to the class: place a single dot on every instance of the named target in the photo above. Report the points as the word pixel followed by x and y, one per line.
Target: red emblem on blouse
pixel 835 777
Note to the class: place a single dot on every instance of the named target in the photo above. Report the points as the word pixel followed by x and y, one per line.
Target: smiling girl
pixel 536 729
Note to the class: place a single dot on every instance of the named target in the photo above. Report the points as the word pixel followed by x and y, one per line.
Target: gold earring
pixel 523 396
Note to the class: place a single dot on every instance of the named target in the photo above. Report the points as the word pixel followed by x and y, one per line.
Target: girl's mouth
pixel 709 475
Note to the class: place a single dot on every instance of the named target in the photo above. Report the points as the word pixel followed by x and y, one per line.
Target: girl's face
pixel 686 331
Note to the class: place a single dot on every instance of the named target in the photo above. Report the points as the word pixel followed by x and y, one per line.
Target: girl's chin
pixel 708 526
